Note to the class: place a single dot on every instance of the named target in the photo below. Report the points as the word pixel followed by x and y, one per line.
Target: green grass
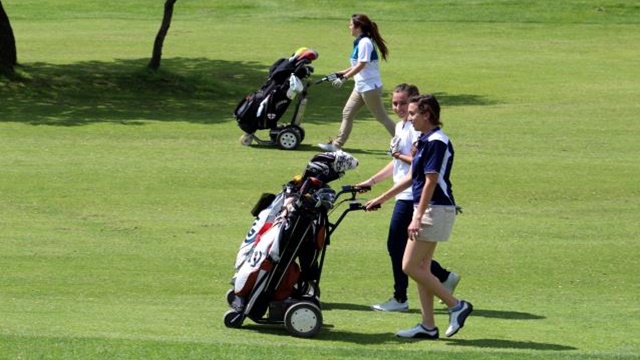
pixel 124 195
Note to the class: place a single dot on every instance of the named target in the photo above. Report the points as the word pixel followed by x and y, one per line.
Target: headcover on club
pixel 330 166
pixel 304 53
pixel 309 54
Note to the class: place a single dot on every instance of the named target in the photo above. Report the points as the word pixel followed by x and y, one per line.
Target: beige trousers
pixel 373 100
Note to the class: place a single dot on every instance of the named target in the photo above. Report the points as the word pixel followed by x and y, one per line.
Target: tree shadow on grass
pixel 195 90
pixel 124 91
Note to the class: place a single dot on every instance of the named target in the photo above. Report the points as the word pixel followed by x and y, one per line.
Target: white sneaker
pixel 392 305
pixel 451 283
pixel 458 317
pixel 419 332
pixel 329 147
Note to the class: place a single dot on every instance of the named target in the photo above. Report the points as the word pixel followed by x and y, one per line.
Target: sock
pixel 457 307
pixel 435 329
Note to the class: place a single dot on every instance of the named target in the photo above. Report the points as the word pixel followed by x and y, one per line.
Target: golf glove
pixel 337 83
pixel 331 77
pixel 394 145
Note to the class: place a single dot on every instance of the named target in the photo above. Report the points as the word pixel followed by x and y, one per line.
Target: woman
pixel 366 74
pixel 401 151
pixel 433 216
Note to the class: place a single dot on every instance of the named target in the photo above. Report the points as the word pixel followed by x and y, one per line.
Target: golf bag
pixel 278 266
pixel 263 108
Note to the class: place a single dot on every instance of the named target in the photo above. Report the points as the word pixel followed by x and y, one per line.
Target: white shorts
pixel 437 223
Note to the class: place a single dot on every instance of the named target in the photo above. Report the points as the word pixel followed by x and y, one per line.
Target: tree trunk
pixel 154 63
pixel 8 55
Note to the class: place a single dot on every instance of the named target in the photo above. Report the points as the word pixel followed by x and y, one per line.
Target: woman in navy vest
pixel 365 72
pixel 433 216
pixel 401 149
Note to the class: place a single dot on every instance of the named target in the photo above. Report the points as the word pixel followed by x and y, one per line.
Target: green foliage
pixel 125 194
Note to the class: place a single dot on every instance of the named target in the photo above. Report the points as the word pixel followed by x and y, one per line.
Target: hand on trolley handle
pixel 330 78
pixel 370 205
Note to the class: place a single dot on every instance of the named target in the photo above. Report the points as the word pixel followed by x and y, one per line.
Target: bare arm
pixel 352 71
pixel 393 191
pixel 405 158
pixel 383 174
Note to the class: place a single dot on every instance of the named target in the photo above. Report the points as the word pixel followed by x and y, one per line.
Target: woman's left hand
pixel 414 228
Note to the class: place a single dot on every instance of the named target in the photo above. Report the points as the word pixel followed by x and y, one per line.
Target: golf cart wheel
pixel 246 139
pixel 231 295
pixel 303 319
pixel 233 319
pixel 300 131
pixel 288 139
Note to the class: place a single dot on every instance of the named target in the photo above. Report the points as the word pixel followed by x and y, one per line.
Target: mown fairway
pixel 124 195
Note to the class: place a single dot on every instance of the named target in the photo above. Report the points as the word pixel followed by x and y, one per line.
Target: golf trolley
pixel 287 290
pixel 262 109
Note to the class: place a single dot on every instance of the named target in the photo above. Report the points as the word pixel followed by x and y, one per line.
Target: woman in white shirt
pixel 365 72
pixel 401 149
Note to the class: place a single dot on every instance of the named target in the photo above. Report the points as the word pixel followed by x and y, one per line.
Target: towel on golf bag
pixel 260 225
pixel 265 252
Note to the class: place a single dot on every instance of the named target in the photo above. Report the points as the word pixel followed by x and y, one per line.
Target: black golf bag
pixel 263 108
pixel 279 264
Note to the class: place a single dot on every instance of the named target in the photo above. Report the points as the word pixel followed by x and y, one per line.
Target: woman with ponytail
pixel 365 72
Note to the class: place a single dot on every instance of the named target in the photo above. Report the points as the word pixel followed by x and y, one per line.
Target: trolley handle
pixel 360 206
pixel 353 190
pixel 330 77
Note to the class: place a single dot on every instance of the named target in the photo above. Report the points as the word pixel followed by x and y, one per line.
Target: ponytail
pixel 370 29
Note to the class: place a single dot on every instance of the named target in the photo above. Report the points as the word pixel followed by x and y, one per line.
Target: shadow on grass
pixel 314 149
pixel 496 314
pixel 196 90
pixel 508 344
pixel 330 333
pixel 124 91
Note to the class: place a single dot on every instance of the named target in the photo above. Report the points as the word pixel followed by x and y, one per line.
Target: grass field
pixel 124 195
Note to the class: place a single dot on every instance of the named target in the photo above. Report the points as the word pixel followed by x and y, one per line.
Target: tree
pixel 8 54
pixel 154 63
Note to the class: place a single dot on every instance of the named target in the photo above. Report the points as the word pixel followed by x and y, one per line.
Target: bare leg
pixel 417 256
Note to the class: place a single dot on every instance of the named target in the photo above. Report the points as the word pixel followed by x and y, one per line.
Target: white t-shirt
pixel 369 77
pixel 408 136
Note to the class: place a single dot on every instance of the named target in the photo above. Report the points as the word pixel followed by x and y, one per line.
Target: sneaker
pixel 419 332
pixel 458 317
pixel 451 283
pixel 329 147
pixel 392 305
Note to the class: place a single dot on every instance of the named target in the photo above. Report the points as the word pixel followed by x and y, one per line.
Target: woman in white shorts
pixel 434 215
